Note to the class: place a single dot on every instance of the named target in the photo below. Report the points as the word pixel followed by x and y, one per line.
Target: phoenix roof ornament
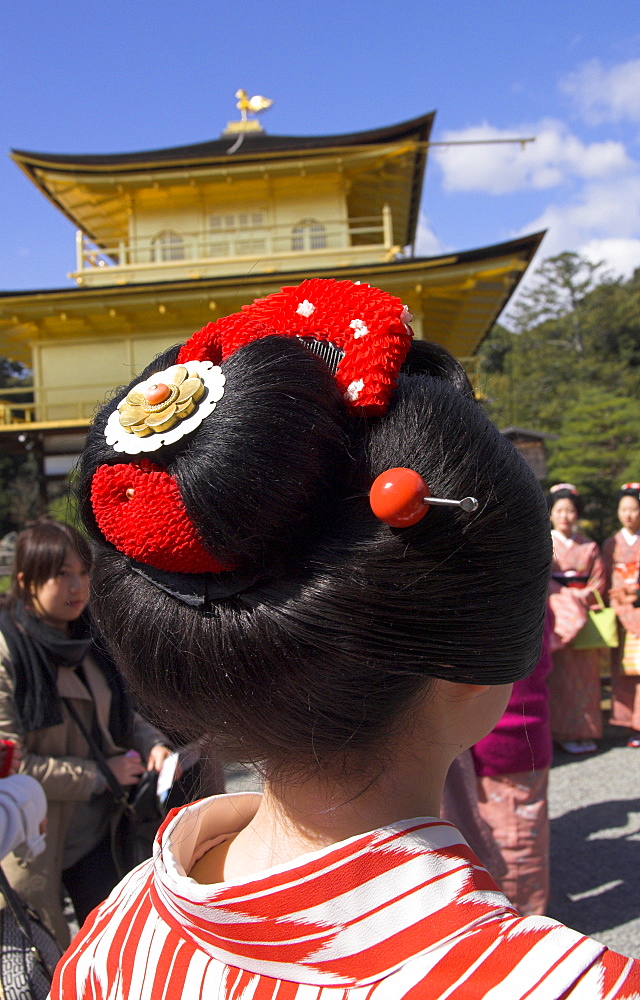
pixel 248 106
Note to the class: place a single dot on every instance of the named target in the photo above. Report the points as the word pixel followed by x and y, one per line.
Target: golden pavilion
pixel 168 239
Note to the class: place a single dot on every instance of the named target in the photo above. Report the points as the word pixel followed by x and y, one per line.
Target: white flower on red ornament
pixel 306 308
pixel 353 390
pixel 406 316
pixel 359 327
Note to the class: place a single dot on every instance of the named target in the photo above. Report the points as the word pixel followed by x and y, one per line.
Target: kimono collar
pixel 629 537
pixel 350 914
pixel 559 537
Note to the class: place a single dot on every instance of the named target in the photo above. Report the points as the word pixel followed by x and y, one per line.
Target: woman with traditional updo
pixel 622 559
pixel 310 541
pixel 577 572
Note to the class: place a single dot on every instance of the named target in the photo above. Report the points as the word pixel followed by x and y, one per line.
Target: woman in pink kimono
pixel 577 571
pixel 622 560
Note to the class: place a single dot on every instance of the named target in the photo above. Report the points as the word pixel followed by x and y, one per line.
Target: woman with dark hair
pixel 577 572
pixel 622 559
pixel 48 662
pixel 290 561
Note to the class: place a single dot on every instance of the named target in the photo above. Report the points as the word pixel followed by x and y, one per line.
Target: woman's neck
pixel 37 612
pixel 58 626
pixel 630 533
pixel 300 817
pixel 296 817
pixel 566 533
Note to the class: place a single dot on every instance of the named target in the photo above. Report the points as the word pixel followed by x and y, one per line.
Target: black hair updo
pixel 565 491
pixel 316 662
pixel 630 490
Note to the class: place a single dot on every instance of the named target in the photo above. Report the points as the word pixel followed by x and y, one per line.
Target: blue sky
pixel 79 77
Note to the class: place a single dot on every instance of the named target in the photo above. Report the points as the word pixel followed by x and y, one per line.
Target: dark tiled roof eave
pixel 255 145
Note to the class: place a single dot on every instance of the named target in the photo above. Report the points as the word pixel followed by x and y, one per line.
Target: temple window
pixel 308 234
pixel 167 245
pixel 238 233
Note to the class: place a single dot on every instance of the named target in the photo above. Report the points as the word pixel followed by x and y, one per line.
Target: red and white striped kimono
pixel 406 911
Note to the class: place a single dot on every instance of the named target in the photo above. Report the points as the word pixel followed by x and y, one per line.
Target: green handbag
pixel 600 629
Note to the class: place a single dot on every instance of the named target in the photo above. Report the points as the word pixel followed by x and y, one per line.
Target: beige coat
pixel 58 757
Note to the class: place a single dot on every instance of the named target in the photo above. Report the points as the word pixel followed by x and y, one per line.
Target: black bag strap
pixel 14 903
pixel 118 791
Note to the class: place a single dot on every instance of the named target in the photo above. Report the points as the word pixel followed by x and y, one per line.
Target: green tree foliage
pixel 570 365
pixel 599 449
pixel 558 297
pixel 65 507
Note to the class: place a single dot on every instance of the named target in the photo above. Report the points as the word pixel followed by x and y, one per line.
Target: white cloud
pixel 555 156
pixel 600 211
pixel 605 95
pixel 621 256
pixel 590 190
pixel 602 222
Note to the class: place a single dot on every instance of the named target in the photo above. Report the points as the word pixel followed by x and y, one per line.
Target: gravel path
pixel 594 804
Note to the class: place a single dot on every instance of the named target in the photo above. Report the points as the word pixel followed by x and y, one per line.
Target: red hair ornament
pixel 369 328
pixel 362 332
pixel 139 509
pixel 7 753
pixel 566 487
pixel 400 498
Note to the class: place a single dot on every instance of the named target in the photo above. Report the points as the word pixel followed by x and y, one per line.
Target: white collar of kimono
pixel 630 538
pixel 558 536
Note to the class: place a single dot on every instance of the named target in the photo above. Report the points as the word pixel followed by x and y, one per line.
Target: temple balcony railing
pixel 24 407
pixel 177 255
pixel 53 405
pixel 16 405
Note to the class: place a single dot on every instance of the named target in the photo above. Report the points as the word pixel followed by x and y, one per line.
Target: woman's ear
pixel 459 690
pixel 20 579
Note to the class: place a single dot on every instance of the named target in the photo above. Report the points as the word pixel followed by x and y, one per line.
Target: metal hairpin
pixel 400 498
pixel 467 503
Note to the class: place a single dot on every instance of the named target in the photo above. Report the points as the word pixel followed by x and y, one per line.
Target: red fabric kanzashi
pixel 369 325
pixel 149 523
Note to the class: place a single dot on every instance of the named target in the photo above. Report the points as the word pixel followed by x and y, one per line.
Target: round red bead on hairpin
pixel 400 498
